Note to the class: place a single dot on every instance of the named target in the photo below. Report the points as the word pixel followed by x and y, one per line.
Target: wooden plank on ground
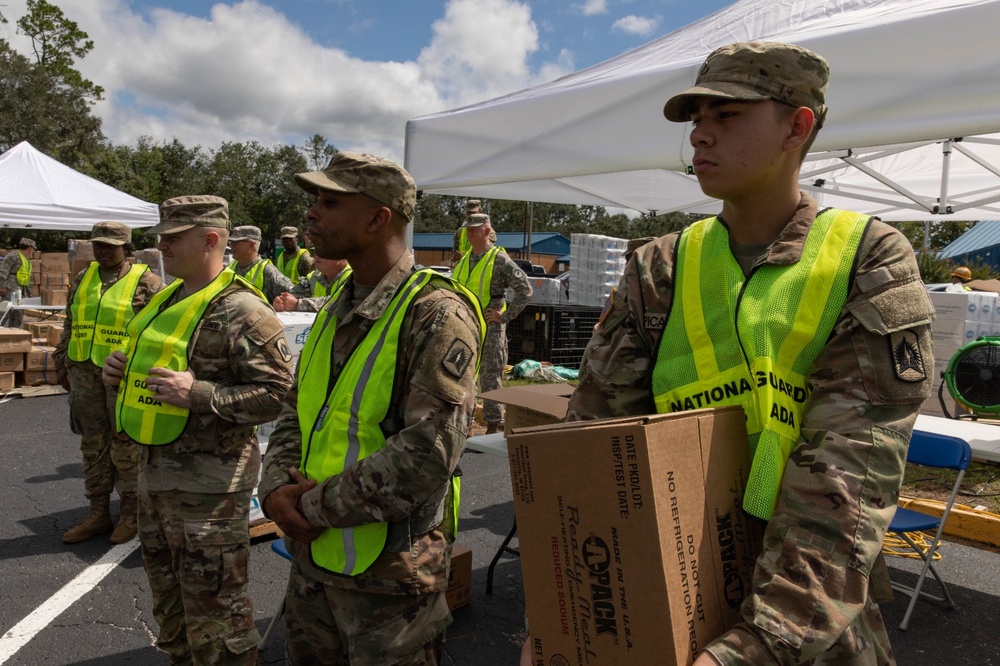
pixel 963 522
pixel 265 528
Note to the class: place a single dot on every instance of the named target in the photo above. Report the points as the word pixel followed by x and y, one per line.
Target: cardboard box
pixel 649 559
pixel 14 341
pixel 297 326
pixel 35 377
pixel 78 266
pixel 11 362
pixel 6 381
pixel 40 358
pixel 56 280
pixel 531 405
pixel 54 296
pixel 54 262
pixel 55 332
pixel 459 591
pixel 39 329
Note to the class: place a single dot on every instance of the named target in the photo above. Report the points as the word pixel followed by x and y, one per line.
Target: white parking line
pixel 42 616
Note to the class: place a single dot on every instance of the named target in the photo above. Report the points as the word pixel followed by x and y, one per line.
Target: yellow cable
pixel 897 547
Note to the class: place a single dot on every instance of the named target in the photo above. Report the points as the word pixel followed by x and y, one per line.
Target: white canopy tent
pixel 37 192
pixel 906 74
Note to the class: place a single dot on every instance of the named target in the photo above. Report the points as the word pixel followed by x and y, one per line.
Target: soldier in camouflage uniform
pixel 228 371
pixel 818 581
pixel 290 247
pixel 491 290
pixel 110 459
pixel 248 264
pixel 303 297
pixel 12 263
pixel 395 610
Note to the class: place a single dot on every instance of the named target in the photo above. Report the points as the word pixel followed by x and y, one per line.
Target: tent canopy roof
pixel 903 71
pixel 37 192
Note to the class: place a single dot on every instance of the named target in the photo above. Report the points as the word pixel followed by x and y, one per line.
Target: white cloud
pixel 593 7
pixel 245 72
pixel 636 25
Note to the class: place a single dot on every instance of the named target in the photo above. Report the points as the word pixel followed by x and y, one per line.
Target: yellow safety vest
pixel 24 271
pixel 159 338
pixel 100 320
pixel 318 290
pixel 341 425
pixel 750 341
pixel 463 240
pixel 255 274
pixel 479 279
pixel 291 268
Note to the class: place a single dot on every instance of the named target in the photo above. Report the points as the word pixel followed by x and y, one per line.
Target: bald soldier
pixel 255 269
pixel 207 361
pixel 103 299
pixel 359 469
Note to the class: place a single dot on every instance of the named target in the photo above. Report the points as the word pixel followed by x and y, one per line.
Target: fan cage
pixel 973 376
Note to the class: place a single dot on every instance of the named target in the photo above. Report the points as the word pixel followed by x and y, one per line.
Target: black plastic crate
pixel 554 333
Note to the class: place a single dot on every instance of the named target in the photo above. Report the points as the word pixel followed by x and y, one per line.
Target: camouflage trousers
pixel 196 548
pixel 110 460
pixel 865 643
pixel 491 364
pixel 325 624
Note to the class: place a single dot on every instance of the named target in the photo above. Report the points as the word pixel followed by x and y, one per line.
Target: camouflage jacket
pixel 404 483
pixel 304 292
pixel 840 488
pixel 275 282
pixel 506 274
pixel 242 368
pixel 149 284
pixel 9 266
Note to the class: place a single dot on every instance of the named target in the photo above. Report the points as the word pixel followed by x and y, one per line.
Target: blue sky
pixel 352 70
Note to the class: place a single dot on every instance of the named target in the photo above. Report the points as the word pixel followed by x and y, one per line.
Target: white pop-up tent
pixel 906 74
pixel 37 192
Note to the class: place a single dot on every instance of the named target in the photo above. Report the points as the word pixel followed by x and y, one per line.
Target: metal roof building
pixel 980 243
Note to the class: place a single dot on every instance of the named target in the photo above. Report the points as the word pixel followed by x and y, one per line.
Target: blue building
pixel 980 244
pixel 548 249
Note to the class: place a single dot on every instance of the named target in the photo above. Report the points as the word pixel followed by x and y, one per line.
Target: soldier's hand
pixel 492 316
pixel 171 386
pixel 62 377
pixel 114 368
pixel 285 303
pixel 284 506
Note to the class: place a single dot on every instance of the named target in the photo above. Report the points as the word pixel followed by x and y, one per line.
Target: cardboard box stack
pixel 649 559
pixel 961 318
pixel 81 253
pixel 23 363
pixel 597 263
pixel 53 277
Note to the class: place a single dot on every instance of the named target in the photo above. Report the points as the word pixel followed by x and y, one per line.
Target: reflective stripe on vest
pixel 780 317
pixel 478 279
pixel 23 276
pixel 254 274
pixel 100 320
pixel 160 339
pixel 291 268
pixel 341 426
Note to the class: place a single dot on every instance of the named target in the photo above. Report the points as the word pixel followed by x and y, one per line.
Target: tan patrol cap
pixel 754 71
pixel 27 242
pixel 476 220
pixel 244 232
pixel 199 210
pixel 473 206
pixel 354 173
pixel 111 233
pixel 289 232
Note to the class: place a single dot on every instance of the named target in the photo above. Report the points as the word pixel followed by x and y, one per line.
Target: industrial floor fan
pixel 973 378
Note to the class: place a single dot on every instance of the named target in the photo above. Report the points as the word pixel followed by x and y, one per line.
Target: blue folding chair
pixel 278 546
pixel 930 450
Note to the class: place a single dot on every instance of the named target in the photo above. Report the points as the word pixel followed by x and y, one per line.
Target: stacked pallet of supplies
pixel 51 278
pixel 597 263
pixel 961 318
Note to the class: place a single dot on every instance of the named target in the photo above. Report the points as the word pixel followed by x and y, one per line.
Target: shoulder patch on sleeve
pixel 907 361
pixel 458 357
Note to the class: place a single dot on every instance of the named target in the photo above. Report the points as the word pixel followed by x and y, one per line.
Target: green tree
pixel 317 151
pixel 57 43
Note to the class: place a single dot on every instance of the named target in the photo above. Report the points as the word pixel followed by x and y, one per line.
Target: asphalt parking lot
pixel 108 621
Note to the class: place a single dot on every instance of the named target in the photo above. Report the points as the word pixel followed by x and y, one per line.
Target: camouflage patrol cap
pixel 753 71
pixel 26 242
pixel 379 178
pixel 111 233
pixel 198 210
pixel 289 232
pixel 473 206
pixel 245 232
pixel 476 220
